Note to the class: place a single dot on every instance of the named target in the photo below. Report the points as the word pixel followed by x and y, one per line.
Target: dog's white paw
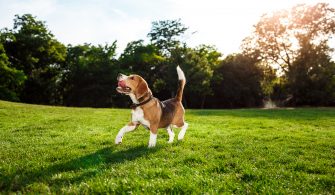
pixel 118 140
pixel 152 140
pixel 182 131
pixel 151 145
pixel 181 135
pixel 171 138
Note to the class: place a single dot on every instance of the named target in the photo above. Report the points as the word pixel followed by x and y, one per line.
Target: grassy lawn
pixel 47 149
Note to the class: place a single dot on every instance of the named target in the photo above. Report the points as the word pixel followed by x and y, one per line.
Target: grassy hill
pixel 46 149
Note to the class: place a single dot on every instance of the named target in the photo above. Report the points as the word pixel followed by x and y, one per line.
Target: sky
pixel 223 24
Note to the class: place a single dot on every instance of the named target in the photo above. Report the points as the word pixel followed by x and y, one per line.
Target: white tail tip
pixel 181 75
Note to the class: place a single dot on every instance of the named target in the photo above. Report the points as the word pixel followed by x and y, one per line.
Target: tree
pixel 238 83
pixel 279 35
pixel 11 80
pixel 89 76
pixel 164 34
pixel 311 80
pixel 32 48
pixel 198 66
pixel 282 39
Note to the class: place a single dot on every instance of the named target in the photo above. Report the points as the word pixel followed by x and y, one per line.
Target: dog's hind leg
pixel 171 134
pixel 130 127
pixel 182 131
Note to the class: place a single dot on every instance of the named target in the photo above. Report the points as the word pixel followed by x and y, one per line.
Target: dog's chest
pixel 138 116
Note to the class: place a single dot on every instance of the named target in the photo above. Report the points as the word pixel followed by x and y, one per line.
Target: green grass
pixel 60 150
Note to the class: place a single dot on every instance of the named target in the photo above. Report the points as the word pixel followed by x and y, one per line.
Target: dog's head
pixel 134 84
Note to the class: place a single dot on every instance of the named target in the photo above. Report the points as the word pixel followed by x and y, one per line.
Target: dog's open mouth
pixel 123 88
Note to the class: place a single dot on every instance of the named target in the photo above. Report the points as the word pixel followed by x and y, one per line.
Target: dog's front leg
pixel 130 127
pixel 153 137
pixel 171 134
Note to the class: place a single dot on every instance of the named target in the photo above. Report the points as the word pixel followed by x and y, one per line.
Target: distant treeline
pixel 287 59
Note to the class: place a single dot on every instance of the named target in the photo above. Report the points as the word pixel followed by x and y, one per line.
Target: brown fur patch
pixel 142 89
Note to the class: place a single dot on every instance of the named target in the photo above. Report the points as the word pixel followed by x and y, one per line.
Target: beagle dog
pixel 149 111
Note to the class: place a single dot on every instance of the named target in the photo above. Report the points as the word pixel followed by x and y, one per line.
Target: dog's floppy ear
pixel 142 89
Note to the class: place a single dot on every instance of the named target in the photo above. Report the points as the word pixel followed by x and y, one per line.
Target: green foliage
pixel 11 80
pixel 239 84
pixel 32 48
pixel 278 36
pixel 165 34
pixel 297 40
pixel 197 65
pixel 311 79
pixel 57 150
pixel 268 80
pixel 210 53
pixel 38 47
pixel 89 76
pixel 144 60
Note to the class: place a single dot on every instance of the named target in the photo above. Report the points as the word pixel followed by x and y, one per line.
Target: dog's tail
pixel 182 81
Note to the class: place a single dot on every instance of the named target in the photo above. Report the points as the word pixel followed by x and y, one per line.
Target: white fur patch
pixel 182 131
pixel 171 134
pixel 125 129
pixel 181 75
pixel 153 139
pixel 133 98
pixel 138 116
pixel 123 77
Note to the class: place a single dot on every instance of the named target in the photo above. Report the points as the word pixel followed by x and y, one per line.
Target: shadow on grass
pixel 72 171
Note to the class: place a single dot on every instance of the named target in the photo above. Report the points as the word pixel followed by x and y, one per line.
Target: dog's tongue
pixel 122 84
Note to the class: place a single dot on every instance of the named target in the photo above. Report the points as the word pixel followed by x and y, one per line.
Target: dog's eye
pixel 132 78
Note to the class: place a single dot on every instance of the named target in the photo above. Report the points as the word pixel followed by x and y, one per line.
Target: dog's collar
pixel 134 106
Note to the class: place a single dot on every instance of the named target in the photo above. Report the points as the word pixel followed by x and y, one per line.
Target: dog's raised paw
pixel 118 140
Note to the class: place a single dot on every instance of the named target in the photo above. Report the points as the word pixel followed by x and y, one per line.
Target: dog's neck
pixel 147 95
pixel 141 99
pixel 133 98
